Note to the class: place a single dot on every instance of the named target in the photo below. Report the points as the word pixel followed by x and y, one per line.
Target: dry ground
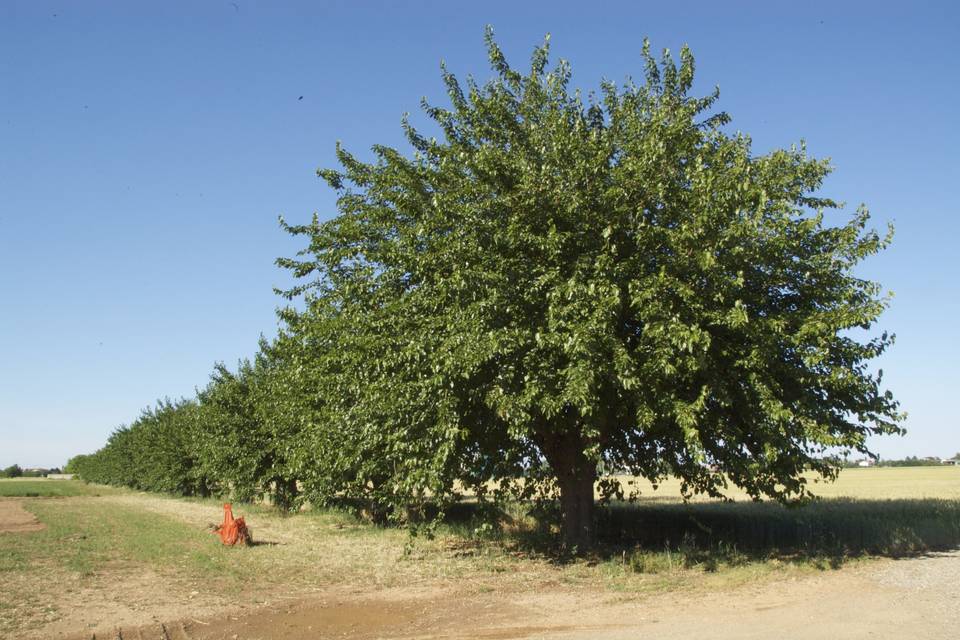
pixel 918 598
pixel 324 577
pixel 15 519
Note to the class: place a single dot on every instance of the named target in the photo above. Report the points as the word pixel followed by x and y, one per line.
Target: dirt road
pixel 15 519
pixel 918 598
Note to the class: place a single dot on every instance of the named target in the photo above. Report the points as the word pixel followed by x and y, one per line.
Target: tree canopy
pixel 613 280
pixel 553 292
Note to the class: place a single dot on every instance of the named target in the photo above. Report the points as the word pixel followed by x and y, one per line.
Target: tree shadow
pixel 825 532
pixel 264 543
pixel 824 529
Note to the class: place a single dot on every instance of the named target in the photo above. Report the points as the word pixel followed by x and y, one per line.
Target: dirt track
pixel 15 519
pixel 917 598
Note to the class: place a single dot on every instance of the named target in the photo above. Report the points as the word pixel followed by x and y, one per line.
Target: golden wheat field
pixel 871 483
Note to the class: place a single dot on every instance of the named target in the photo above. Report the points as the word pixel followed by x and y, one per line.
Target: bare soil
pixel 917 598
pixel 15 519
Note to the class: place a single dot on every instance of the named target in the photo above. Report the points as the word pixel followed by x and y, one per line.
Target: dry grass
pixel 123 555
pixel 873 483
pixel 128 556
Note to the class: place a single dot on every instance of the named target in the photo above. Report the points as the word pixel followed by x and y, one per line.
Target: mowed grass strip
pixel 45 488
pixel 86 536
pixel 91 544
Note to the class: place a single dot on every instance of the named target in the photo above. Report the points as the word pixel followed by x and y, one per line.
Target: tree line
pixel 241 436
pixel 16 471
pixel 914 461
pixel 554 284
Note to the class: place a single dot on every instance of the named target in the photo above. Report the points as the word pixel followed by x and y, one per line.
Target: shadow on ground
pixel 825 531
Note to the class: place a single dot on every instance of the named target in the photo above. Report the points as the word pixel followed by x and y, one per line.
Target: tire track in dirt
pixel 15 519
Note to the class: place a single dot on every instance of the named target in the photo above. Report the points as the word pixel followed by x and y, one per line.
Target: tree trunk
pixel 576 475
pixel 576 508
pixel 284 493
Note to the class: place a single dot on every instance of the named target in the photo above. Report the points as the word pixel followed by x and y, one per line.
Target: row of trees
pixel 554 286
pixel 914 461
pixel 16 471
pixel 239 437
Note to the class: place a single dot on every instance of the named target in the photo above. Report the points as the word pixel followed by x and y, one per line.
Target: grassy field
pixel 44 488
pixel 106 547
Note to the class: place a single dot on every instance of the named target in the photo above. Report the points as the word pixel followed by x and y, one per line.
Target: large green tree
pixel 557 284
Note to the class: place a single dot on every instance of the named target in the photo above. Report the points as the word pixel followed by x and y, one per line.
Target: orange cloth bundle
pixel 233 530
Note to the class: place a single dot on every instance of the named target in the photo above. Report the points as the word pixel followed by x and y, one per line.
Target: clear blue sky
pixel 146 150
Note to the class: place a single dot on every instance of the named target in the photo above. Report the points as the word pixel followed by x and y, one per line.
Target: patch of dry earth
pixel 15 519
pixel 898 599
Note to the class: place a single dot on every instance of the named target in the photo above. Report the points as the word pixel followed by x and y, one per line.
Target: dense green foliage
pixel 13 471
pixel 555 286
pixel 157 452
